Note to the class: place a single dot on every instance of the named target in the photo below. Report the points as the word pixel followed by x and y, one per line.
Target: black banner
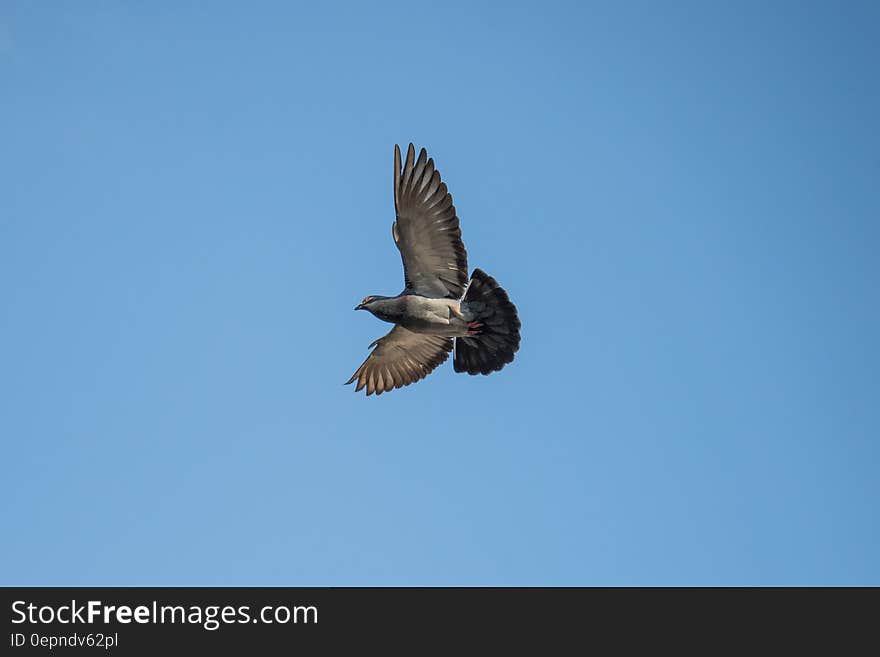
pixel 123 621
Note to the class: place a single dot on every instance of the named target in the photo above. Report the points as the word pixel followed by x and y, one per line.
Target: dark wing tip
pixel 396 176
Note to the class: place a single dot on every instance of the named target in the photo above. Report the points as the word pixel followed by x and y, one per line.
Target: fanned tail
pixel 493 337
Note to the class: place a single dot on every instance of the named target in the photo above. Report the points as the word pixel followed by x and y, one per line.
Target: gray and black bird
pixel 440 309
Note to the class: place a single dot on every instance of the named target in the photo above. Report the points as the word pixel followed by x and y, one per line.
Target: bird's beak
pixel 360 306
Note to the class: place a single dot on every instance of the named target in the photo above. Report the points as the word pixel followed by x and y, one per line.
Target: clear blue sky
pixel 682 198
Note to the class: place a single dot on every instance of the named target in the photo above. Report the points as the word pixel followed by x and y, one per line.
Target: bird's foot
pixel 475 328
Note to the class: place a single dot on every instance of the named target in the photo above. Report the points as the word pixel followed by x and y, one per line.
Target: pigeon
pixel 440 309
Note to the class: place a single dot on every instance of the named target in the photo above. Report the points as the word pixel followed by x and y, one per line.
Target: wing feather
pixel 426 230
pixel 401 357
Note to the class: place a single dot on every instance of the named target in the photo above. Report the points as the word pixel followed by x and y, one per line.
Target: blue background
pixel 682 198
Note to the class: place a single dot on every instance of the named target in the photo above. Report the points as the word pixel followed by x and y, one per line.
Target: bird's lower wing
pixel 401 357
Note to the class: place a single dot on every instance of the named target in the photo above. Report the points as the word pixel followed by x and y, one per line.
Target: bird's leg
pixel 474 327
pixel 455 310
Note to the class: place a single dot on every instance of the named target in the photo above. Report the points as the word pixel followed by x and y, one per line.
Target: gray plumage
pixel 439 309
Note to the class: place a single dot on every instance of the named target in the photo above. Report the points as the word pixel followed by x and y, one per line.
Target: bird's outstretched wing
pixel 400 358
pixel 426 230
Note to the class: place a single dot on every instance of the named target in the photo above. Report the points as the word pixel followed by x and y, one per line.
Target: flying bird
pixel 440 308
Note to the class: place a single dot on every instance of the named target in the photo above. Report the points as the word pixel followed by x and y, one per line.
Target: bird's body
pixel 420 314
pixel 440 308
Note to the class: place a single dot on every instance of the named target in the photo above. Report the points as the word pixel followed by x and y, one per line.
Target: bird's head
pixel 365 304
